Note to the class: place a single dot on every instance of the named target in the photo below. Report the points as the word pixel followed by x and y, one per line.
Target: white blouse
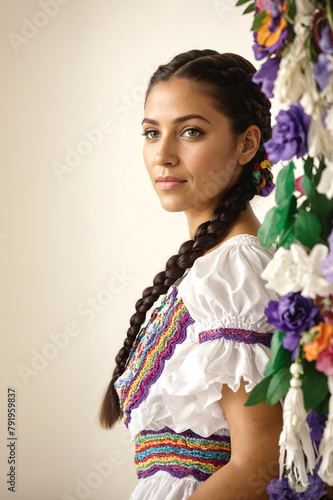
pixel 214 332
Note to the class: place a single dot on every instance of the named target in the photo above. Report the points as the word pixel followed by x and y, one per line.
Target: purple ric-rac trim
pixel 157 342
pixel 180 454
pixel 237 335
pixel 177 471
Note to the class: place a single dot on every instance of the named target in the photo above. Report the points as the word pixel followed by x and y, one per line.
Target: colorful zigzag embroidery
pixel 154 345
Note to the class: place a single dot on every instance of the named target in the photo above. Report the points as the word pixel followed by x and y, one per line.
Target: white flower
pixel 295 79
pixel 329 120
pixel 320 138
pixel 295 271
pixel 311 98
pixel 304 8
pixel 290 82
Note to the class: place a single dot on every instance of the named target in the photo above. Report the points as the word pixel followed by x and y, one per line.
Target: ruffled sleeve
pixel 225 288
pixel 229 338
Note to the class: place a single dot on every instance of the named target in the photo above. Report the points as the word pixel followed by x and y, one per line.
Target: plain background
pixel 81 230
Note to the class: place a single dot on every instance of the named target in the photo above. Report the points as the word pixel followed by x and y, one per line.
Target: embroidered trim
pixel 180 454
pixel 247 336
pixel 155 344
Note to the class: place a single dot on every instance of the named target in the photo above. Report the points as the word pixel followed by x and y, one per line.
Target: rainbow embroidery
pixel 154 345
pixel 180 454
pixel 247 336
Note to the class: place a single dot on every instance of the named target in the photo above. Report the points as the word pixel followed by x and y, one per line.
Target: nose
pixel 166 153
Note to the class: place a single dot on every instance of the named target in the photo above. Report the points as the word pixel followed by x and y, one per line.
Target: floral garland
pixel 294 38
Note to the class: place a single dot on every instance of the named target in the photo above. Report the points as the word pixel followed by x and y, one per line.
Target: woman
pixel 183 379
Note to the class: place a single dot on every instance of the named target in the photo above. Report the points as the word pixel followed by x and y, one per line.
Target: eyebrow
pixel 177 120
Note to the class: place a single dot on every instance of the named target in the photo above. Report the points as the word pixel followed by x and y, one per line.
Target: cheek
pixel 147 158
pixel 210 160
pixel 145 155
pixel 201 161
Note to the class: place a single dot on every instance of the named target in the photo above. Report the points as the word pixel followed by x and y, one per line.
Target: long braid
pixel 201 66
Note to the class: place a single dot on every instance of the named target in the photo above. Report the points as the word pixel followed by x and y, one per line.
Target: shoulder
pixel 226 286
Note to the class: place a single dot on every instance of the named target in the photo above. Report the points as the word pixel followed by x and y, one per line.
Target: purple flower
pixel 279 490
pixel 325 42
pixel 292 315
pixel 273 27
pixel 267 74
pixel 317 426
pixel 289 135
pixel 262 51
pixel 322 71
pixel 327 263
pixel 316 489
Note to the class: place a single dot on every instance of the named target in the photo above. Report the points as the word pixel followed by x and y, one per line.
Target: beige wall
pixel 81 231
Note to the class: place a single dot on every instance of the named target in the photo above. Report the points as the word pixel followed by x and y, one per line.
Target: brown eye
pixel 151 134
pixel 192 132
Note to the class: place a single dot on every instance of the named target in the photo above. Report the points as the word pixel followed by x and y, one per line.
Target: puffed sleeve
pixel 229 338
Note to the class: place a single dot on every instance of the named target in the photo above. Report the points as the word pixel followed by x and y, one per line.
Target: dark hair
pixel 227 79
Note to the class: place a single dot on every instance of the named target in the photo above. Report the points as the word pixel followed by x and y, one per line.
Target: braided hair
pixel 227 80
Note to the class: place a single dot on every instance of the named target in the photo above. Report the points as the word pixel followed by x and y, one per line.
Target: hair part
pixel 227 80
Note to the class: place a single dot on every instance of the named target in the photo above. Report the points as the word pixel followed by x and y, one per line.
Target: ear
pixel 250 144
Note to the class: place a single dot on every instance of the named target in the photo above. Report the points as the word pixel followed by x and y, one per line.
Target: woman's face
pixel 190 152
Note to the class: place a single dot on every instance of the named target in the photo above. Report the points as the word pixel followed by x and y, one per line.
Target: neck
pixel 246 223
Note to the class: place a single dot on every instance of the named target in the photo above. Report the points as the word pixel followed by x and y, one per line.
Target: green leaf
pixel 329 13
pixel 278 386
pixel 285 183
pixel 280 356
pixel 308 166
pixel 250 8
pixel 314 385
pixel 305 204
pixel 307 228
pixel 310 49
pixel 257 22
pixel 320 169
pixel 269 230
pixel 242 2
pixel 258 393
pixel 323 406
pixel 322 208
pixel 291 11
pixel 278 222
pixel 287 238
pixel 287 210
pixel 307 186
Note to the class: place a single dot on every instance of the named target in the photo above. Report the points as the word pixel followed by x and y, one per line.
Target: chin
pixel 172 207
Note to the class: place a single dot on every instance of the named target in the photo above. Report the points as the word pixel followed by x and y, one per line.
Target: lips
pixel 168 178
pixel 169 182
